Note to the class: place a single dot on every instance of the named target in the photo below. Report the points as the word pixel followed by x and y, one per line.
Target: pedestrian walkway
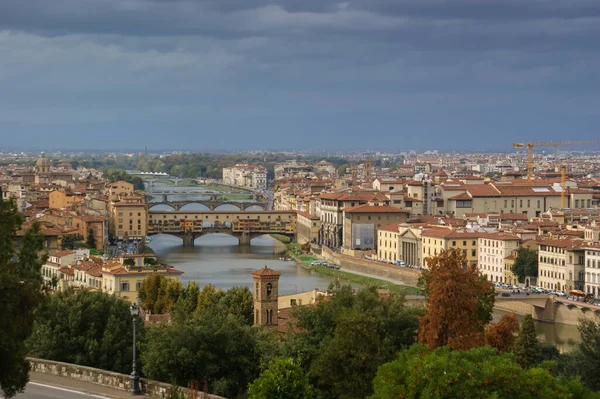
pixel 81 386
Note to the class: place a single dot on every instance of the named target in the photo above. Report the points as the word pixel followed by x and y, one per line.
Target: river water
pixel 218 259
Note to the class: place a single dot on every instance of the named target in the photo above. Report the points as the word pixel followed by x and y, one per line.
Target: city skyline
pixel 236 75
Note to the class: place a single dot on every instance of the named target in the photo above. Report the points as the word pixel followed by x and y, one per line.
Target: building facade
pixel 266 296
pixel 494 249
pixel 245 175
pixel 561 265
pixel 128 217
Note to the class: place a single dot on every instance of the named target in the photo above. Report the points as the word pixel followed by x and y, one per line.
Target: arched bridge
pixel 245 225
pixel 211 205
pixel 549 308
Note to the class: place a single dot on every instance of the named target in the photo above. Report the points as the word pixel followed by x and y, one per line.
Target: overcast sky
pixel 262 74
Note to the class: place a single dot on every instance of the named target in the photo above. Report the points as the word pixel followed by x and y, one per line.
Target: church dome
pixel 42 161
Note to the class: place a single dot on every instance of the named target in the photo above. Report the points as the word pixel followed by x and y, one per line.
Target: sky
pixel 297 74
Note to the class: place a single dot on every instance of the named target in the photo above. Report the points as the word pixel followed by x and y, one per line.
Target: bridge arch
pixel 228 207
pixel 194 206
pixel 161 207
pixel 255 208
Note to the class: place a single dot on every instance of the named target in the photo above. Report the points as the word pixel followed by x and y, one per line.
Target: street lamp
pixel 135 378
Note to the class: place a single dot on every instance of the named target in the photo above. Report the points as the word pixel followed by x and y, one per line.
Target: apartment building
pixel 128 217
pixel 494 249
pixel 61 199
pixel 58 259
pixel 118 188
pixel 436 239
pixel 592 270
pixel 245 175
pixel 292 169
pixel 125 281
pixel 561 264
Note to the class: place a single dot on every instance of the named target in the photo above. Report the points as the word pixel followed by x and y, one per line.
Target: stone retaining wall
pixel 106 378
pixel 377 269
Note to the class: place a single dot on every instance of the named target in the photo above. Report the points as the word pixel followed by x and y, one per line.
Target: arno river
pixel 218 260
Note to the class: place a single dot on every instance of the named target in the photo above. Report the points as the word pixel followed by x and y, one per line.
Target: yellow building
pixel 129 217
pixel 119 188
pixel 436 239
pixel 60 199
pixel 124 281
pixel 388 239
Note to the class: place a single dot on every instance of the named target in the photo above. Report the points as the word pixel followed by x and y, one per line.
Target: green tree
pixel 20 294
pixel 477 373
pixel 343 340
pixel 584 360
pixel 527 348
pixel 282 380
pixel 91 240
pixel 239 302
pixel 526 264
pixel 159 294
pixel 87 328
pixel 129 262
pixel 214 345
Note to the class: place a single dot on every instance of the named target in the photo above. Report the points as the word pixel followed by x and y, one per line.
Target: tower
pixel 266 294
pixel 368 169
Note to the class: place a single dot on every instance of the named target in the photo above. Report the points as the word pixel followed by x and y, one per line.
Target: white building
pixel 56 260
pixel 592 270
pixel 494 248
pixel 245 175
pixel 561 265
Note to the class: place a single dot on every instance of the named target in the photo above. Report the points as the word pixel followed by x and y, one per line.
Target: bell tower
pixel 266 294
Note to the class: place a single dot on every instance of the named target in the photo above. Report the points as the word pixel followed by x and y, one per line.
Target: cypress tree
pixel 527 347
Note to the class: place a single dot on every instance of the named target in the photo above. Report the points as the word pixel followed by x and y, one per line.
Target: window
pixel 120 213
pixel 269 289
pixel 463 203
pixel 538 204
pixel 453 243
pixel 130 213
pixel 474 243
pixel 464 243
pixel 473 253
pixel 125 286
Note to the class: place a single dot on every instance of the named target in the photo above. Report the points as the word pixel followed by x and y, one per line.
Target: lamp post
pixel 135 378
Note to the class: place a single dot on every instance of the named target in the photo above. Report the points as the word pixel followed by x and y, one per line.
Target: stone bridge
pixel 212 205
pixel 552 309
pixel 245 225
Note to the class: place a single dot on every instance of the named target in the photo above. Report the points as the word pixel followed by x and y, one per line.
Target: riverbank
pixel 353 277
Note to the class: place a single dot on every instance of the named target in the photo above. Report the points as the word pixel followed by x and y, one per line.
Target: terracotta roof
pixel 499 236
pixel 308 215
pixel 95 272
pixel 483 190
pixel 366 208
pixel 60 254
pixel 566 244
pixel 390 227
pixel 67 270
pixel 462 196
pixel 265 271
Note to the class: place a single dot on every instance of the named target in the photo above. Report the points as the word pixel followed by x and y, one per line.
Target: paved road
pixel 46 386
pixel 35 390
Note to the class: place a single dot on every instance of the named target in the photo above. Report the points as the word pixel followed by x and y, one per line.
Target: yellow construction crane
pixel 554 144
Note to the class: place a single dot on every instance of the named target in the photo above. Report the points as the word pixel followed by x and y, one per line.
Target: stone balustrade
pixel 153 389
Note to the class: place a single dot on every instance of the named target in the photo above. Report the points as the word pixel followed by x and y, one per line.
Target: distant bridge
pixel 211 205
pixel 245 225
pixel 549 308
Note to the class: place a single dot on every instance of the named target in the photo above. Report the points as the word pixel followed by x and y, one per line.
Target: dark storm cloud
pixel 320 68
